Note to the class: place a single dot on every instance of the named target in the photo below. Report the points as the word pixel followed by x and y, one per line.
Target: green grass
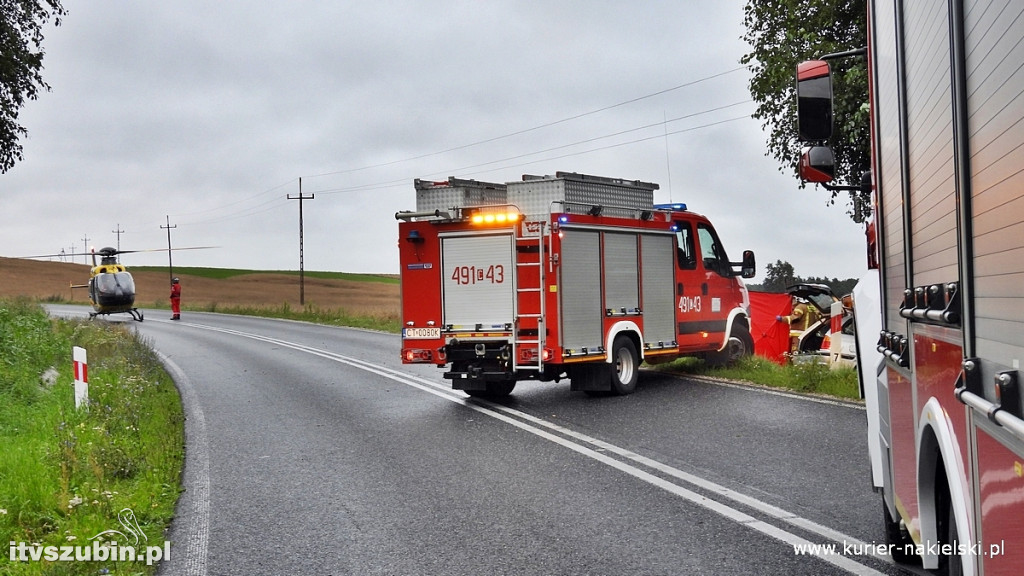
pixel 309 313
pixel 65 474
pixel 222 273
pixel 808 377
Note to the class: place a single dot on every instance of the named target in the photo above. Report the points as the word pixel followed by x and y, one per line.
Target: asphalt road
pixel 313 450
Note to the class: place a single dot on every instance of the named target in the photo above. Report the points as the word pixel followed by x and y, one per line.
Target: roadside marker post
pixel 835 351
pixel 81 368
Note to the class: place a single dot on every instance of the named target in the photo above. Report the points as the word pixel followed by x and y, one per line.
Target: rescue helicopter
pixel 111 286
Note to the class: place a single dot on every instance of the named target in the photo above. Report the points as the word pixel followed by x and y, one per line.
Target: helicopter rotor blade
pixel 111 253
pixel 165 249
pixel 68 254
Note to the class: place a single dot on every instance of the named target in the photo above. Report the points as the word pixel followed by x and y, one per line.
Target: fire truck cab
pixel 560 276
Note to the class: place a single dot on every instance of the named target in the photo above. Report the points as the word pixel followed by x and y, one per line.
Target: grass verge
pixel 221 273
pixel 806 377
pixel 65 474
pixel 384 321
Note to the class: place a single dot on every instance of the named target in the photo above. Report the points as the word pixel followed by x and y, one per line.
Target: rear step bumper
pixel 474 364
pixel 476 378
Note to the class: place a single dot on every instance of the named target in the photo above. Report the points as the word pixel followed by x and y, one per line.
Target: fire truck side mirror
pixel 748 268
pixel 817 164
pixel 814 101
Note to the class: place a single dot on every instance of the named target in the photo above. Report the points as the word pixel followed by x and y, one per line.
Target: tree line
pixel 780 276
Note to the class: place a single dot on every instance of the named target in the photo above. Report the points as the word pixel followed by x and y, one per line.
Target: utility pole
pixel 302 274
pixel 170 267
pixel 85 248
pixel 117 230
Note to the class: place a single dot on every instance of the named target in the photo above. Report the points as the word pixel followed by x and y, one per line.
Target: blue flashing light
pixel 677 207
pixel 674 228
pixel 563 219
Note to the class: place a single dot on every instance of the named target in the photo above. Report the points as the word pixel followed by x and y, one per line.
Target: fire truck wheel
pixel 494 390
pixel 627 366
pixel 739 346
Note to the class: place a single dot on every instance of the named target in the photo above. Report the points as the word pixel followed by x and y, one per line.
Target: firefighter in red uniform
pixel 175 299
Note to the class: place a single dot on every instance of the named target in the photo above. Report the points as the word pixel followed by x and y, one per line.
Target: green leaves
pixel 21 64
pixel 783 33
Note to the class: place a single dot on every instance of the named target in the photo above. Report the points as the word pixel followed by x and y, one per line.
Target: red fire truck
pixel 563 276
pixel 944 404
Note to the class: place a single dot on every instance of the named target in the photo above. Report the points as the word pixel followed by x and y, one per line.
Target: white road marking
pixel 197 475
pixel 536 426
pixel 776 392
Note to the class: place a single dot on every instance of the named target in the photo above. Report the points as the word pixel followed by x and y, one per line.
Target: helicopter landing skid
pixel 136 315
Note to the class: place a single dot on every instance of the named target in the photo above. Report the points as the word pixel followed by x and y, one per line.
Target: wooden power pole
pixel 170 266
pixel 302 274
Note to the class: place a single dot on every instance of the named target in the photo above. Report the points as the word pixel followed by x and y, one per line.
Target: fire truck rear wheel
pixel 626 369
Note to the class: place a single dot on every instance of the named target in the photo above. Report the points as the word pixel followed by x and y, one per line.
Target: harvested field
pixel 52 280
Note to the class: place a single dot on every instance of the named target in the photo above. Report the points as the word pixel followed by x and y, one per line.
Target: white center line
pixel 576 442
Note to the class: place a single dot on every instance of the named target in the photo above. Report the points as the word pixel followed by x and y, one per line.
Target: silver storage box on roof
pixel 454 192
pixel 579 193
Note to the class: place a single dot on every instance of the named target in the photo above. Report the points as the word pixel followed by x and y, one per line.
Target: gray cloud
pixel 209 113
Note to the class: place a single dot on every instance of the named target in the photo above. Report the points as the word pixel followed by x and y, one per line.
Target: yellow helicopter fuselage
pixel 111 289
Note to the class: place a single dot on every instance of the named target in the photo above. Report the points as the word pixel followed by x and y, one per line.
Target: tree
pixel 779 276
pixel 783 33
pixel 21 63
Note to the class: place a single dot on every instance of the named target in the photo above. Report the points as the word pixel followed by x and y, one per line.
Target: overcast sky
pixel 206 115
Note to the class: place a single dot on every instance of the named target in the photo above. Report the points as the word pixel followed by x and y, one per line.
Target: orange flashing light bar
pixel 495 218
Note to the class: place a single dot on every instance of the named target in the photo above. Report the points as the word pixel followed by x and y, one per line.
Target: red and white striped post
pixel 81 368
pixel 836 340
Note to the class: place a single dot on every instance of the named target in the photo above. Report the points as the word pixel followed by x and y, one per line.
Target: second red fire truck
pixel 944 402
pixel 561 276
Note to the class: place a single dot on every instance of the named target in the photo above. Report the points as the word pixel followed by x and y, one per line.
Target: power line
pixel 535 128
pixel 264 193
pixel 462 169
pixel 608 147
pixel 272 203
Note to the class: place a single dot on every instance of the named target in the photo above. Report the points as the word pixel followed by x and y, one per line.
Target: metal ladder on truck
pixel 521 315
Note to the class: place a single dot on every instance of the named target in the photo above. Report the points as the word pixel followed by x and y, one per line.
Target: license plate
pixel 421 333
